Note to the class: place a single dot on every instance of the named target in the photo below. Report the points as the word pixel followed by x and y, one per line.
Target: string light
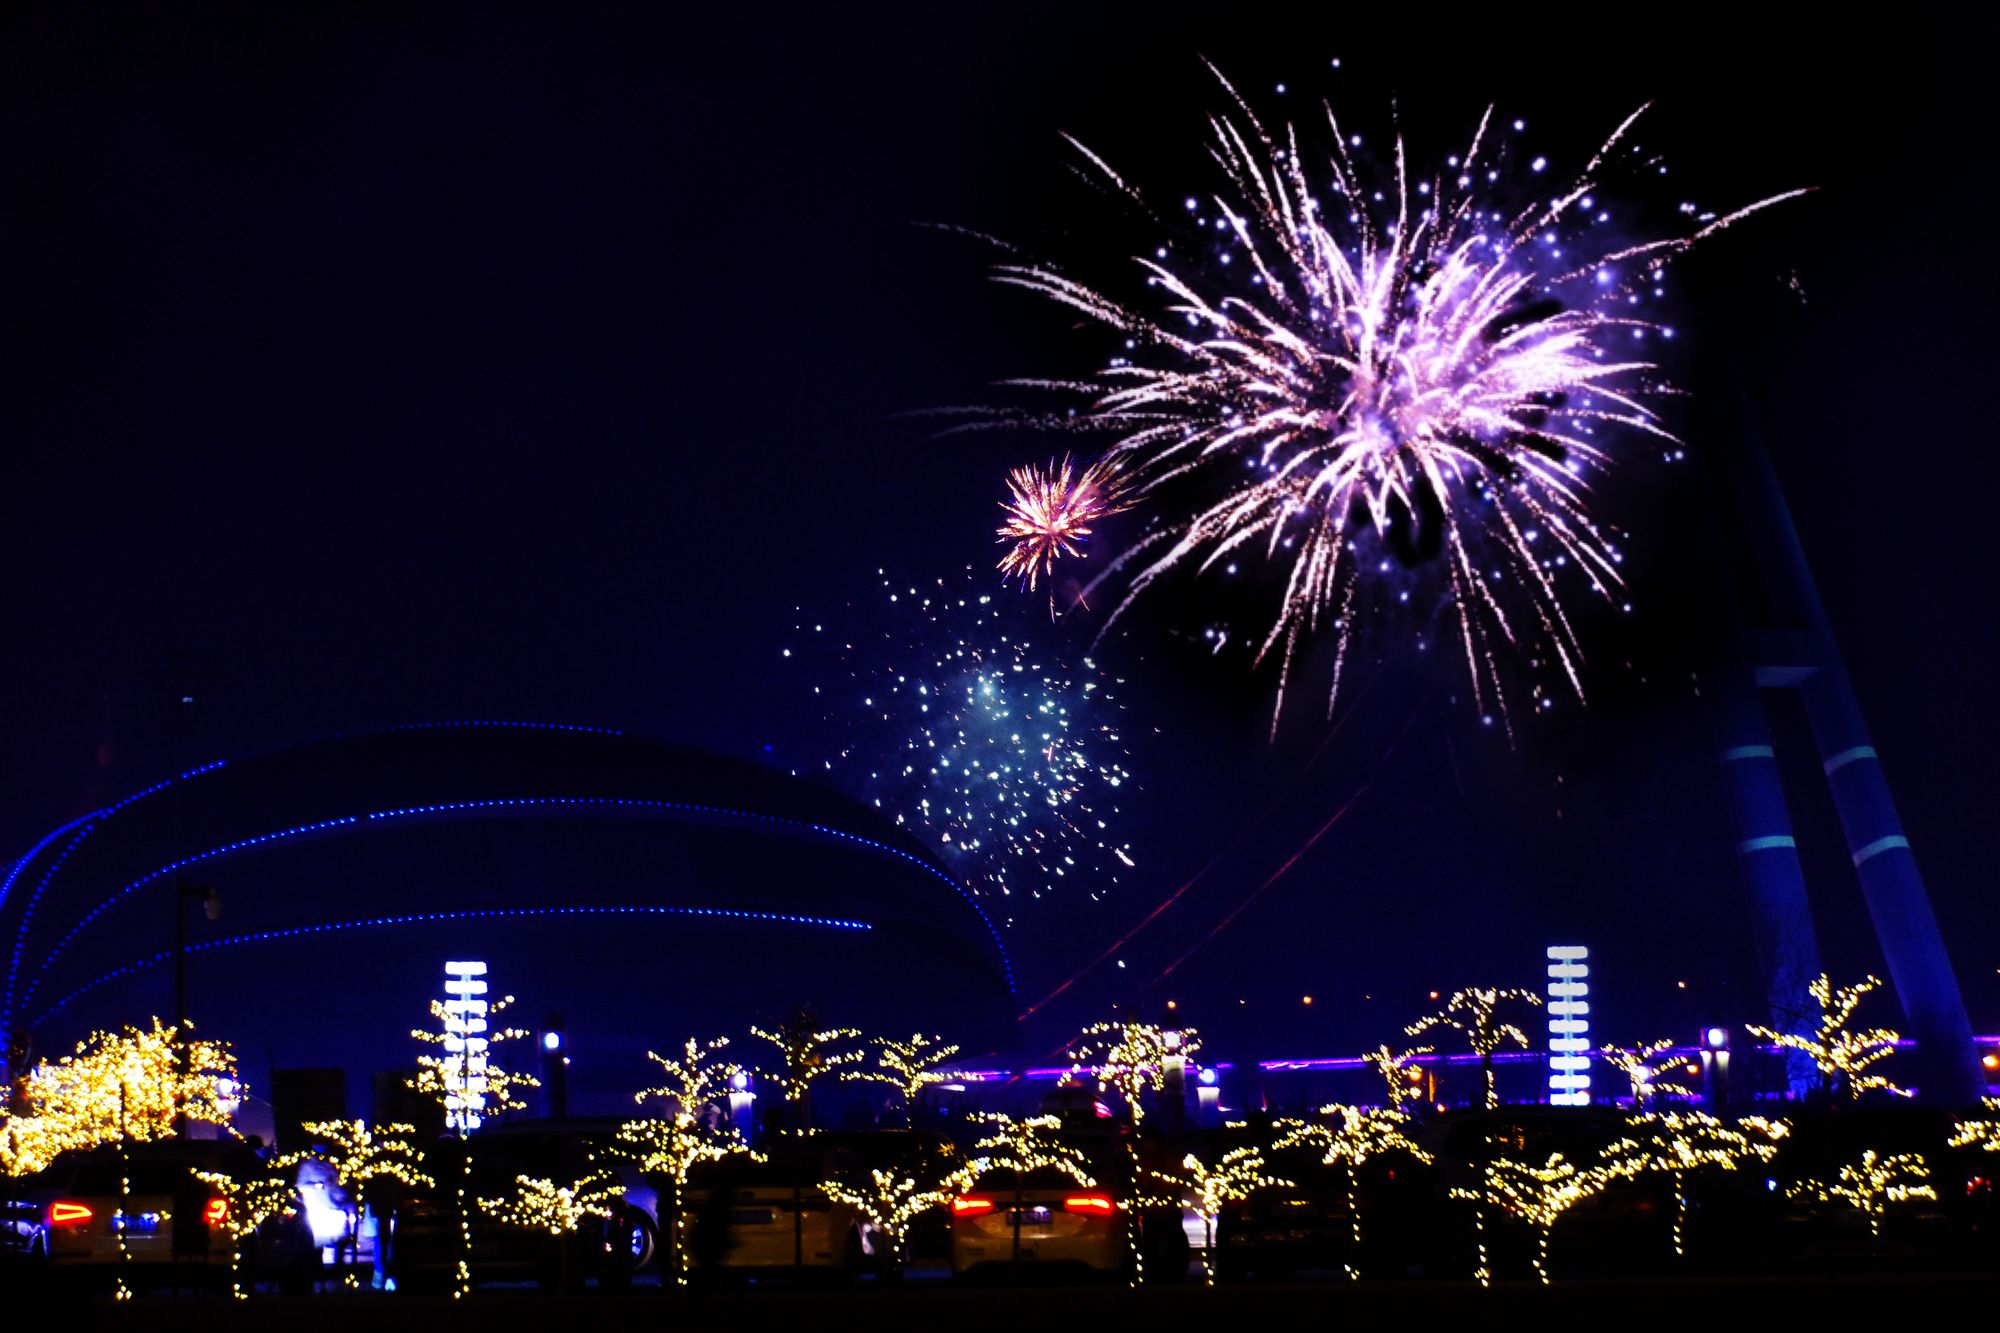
pixel 1398 1070
pixel 1678 1143
pixel 1025 1145
pixel 539 1204
pixel 250 1202
pixel 1647 1074
pixel 909 1066
pixel 1234 1177
pixel 360 1155
pixel 1132 1057
pixel 1355 1135
pixel 447 1080
pixel 163 956
pixel 1473 1013
pixel 1841 1053
pixel 1981 1134
pixel 1871 1184
pixel 129 1084
pixel 806 1055
pixel 891 1202
pixel 671 1145
pixel 523 803
pixel 1540 1195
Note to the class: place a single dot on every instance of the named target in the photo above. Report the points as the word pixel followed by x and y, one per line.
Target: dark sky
pixel 366 366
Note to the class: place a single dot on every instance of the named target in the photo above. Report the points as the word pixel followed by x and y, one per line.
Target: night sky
pixel 373 367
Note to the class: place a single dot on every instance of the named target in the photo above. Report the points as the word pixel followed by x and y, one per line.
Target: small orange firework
pixel 1050 511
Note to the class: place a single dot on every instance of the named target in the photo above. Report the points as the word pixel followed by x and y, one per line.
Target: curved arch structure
pixel 719 843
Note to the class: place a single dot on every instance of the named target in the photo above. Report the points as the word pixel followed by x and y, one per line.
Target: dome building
pixel 643 891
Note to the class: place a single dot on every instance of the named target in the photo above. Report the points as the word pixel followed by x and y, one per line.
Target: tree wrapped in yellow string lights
pixel 131 1084
pixel 557 1210
pixel 1844 1055
pixel 1979 1132
pixel 1208 1189
pixel 909 1067
pixel 1678 1144
pixel 1024 1145
pixel 363 1157
pixel 1540 1195
pixel 540 1204
pixel 807 1054
pixel 1475 1014
pixel 1350 1137
pixel 1402 1076
pixel 1648 1074
pixel 1132 1058
pixel 688 1131
pixel 892 1201
pixel 1871 1184
pixel 249 1201
pixel 468 1084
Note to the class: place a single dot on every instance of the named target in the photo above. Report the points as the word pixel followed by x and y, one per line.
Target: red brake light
pixel 217 1212
pixel 67 1214
pixel 967 1207
pixel 1095 1204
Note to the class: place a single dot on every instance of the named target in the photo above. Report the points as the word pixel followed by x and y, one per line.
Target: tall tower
pixel 1793 649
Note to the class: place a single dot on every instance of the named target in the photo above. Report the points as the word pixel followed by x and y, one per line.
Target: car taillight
pixel 68 1214
pixel 969 1207
pixel 1094 1204
pixel 217 1212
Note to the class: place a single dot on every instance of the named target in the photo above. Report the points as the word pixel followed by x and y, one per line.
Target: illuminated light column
pixel 1569 1025
pixel 465 1044
pixel 1799 653
pixel 1782 931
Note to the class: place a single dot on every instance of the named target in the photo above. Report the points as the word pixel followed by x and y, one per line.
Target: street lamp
pixel 1715 1067
pixel 741 1099
pixel 555 1069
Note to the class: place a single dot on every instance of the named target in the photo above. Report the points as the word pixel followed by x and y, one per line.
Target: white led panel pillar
pixel 1569 1025
pixel 465 1042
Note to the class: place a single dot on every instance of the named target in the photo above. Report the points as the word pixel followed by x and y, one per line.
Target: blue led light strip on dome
pixel 7 885
pixel 468 914
pixel 523 802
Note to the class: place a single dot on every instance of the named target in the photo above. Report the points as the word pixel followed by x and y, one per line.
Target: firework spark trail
pixel 1350 381
pixel 1339 813
pixel 1004 756
pixel 1201 874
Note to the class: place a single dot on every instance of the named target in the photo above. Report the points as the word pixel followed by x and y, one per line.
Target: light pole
pixel 211 905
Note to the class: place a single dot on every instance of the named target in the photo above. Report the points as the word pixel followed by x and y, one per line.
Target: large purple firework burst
pixel 1354 379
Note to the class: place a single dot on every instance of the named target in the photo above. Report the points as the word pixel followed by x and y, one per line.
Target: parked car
pixel 1626 1227
pixel 139 1211
pixel 1040 1218
pixel 748 1219
pixel 1282 1229
pixel 424 1242
pixel 1809 1230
